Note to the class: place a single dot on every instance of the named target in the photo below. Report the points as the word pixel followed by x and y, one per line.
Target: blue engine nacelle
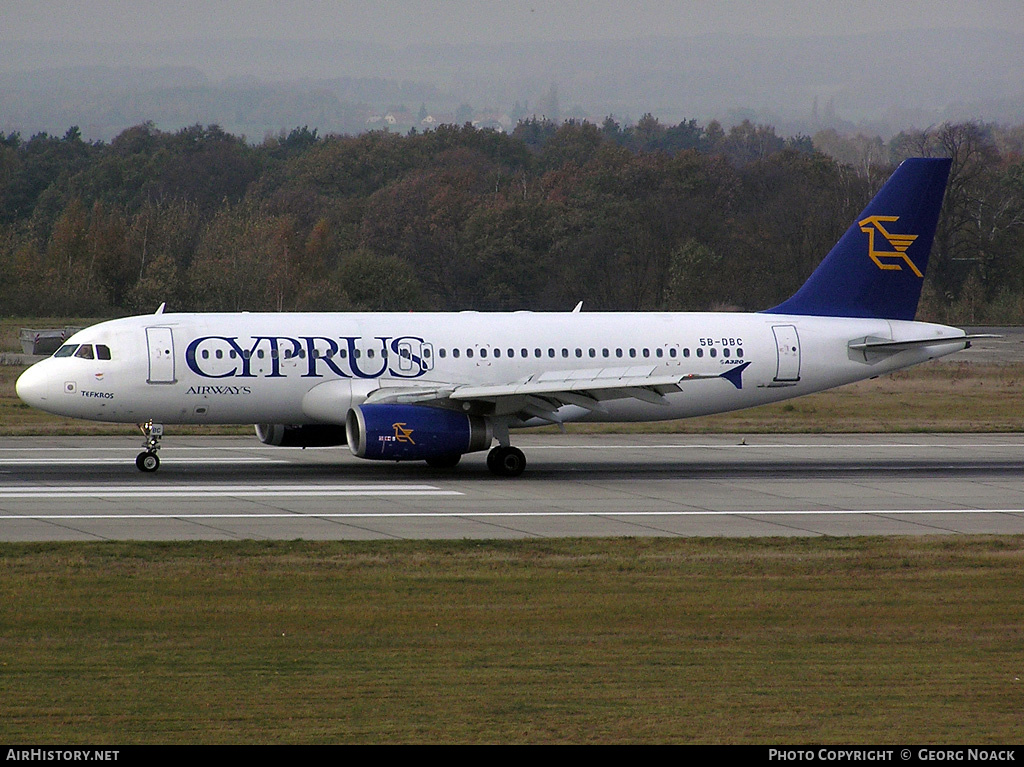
pixel 414 432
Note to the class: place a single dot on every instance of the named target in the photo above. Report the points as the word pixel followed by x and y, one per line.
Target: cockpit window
pixel 84 351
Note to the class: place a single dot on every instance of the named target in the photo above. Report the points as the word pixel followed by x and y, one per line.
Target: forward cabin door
pixel 161 356
pixel 788 344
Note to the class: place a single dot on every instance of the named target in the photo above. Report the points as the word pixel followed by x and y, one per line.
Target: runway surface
pixel 87 488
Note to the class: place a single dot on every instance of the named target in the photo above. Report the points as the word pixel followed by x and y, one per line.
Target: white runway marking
pixel 505 514
pixel 127 460
pixel 776 446
pixel 222 491
pixel 175 449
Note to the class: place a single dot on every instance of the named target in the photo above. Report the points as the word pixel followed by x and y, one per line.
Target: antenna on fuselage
pixel 160 309
pixel 576 309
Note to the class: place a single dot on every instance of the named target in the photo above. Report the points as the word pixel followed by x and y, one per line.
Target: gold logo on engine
pixel 402 434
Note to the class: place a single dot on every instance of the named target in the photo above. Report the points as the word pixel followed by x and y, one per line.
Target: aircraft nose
pixel 31 386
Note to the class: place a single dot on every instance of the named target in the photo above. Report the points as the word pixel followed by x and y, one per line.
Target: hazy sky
pixel 401 22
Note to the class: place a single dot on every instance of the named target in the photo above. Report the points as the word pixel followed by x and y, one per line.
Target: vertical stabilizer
pixel 878 267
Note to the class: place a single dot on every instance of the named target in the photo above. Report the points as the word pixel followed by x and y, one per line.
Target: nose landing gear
pixel 147 460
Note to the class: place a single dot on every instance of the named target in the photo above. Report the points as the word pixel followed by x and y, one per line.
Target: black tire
pixel 147 462
pixel 506 461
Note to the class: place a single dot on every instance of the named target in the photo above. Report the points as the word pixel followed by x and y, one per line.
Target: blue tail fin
pixel 877 268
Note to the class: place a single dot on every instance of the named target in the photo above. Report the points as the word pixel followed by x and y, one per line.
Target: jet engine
pixel 415 433
pixel 313 435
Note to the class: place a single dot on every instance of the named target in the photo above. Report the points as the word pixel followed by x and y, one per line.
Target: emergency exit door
pixel 787 342
pixel 161 355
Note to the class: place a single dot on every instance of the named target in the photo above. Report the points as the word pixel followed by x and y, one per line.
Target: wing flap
pixel 550 385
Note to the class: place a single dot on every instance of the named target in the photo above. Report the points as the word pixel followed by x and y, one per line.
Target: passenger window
pixel 483 352
pixel 593 352
pixel 102 352
pixel 713 352
pixel 551 352
pixel 66 350
pixel 469 352
pixel 84 352
pixel 497 353
pixel 700 352
pixel 455 353
pixel 442 352
pixel 739 352
pixel 725 352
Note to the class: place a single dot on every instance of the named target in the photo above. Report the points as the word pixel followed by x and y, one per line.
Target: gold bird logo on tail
pixel 900 243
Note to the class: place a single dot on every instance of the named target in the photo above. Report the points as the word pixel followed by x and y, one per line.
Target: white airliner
pixel 434 386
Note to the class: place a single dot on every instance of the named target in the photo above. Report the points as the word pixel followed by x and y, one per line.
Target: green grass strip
pixel 859 640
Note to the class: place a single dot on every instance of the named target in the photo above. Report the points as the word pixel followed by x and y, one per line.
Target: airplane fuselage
pixel 312 368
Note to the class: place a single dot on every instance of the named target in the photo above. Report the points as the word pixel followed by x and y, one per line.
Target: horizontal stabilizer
pixel 882 345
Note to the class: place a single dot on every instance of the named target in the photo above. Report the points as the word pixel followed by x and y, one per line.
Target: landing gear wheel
pixel 147 461
pixel 444 461
pixel 506 461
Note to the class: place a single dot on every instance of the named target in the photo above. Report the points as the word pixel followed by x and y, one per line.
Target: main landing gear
pixel 147 460
pixel 506 461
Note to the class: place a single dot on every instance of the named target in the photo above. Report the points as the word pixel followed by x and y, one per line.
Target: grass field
pixel 560 641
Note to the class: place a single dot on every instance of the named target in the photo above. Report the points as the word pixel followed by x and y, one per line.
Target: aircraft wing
pixel 540 395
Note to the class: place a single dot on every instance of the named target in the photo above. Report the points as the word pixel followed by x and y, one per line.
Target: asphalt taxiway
pixel 87 488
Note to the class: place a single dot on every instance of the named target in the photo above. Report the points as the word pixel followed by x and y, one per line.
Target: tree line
pixel 642 217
